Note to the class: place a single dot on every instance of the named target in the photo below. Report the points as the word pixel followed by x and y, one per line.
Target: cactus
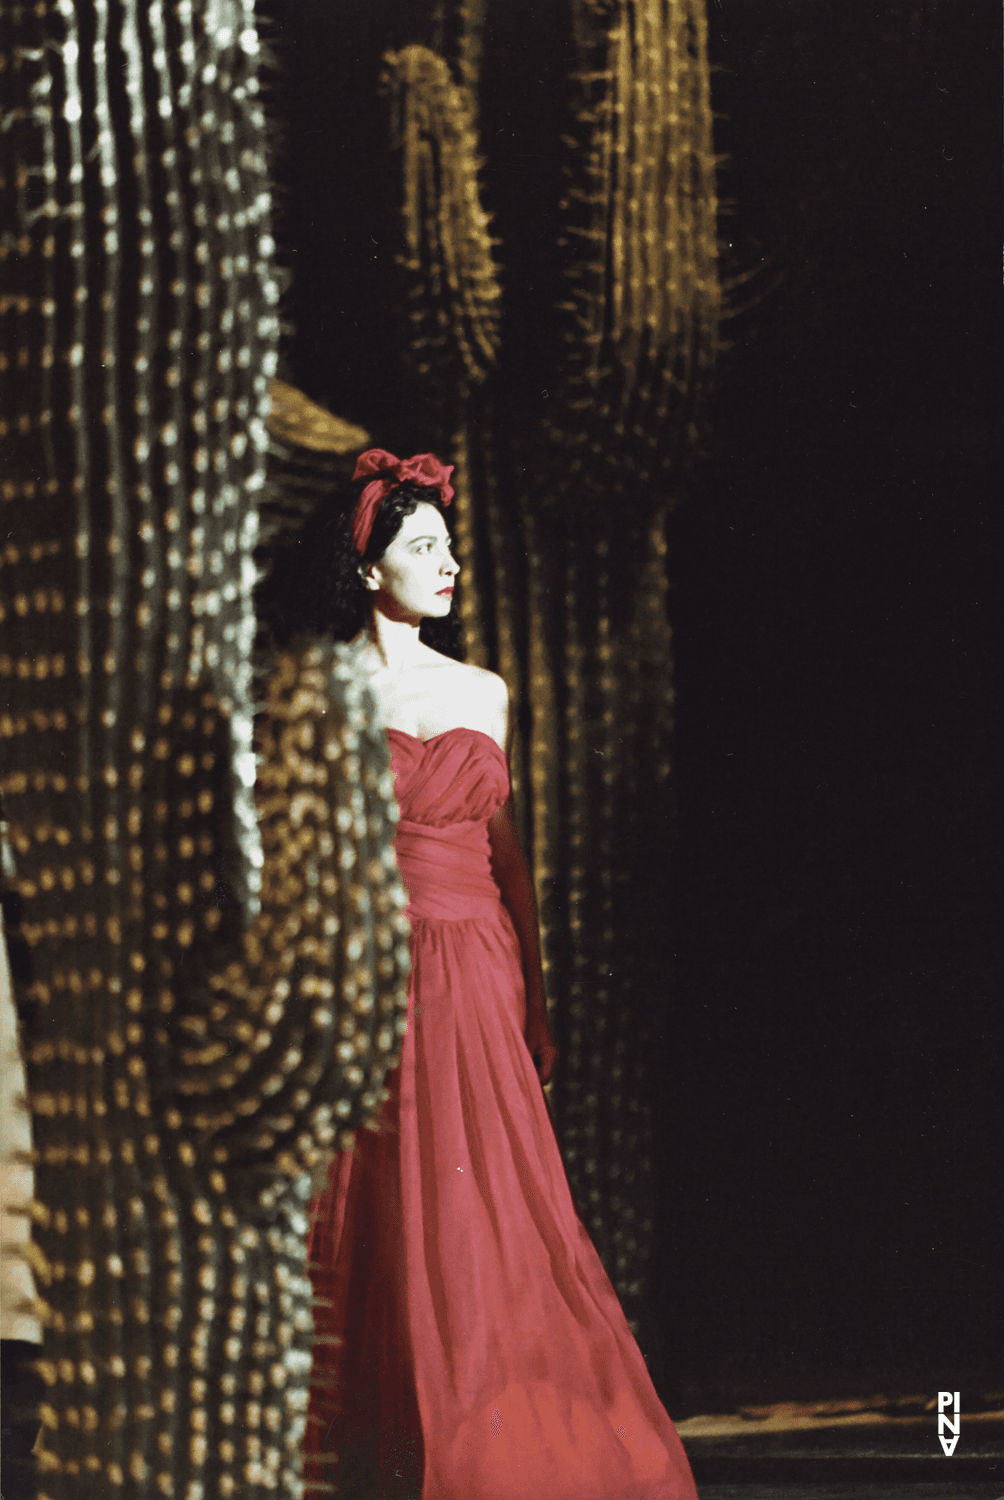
pixel 217 989
pixel 640 325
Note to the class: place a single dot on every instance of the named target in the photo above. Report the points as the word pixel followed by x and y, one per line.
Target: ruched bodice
pixel 447 789
pixel 459 776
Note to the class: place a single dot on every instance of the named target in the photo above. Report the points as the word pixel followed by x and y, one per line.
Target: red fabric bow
pixel 424 468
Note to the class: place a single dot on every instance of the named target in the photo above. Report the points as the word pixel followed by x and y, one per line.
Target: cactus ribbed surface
pixel 451 289
pixel 186 1071
pixel 640 327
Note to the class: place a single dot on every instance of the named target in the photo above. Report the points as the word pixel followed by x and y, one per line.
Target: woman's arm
pixel 512 874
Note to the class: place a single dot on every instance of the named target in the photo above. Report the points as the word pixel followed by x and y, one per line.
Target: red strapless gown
pixel 468 1344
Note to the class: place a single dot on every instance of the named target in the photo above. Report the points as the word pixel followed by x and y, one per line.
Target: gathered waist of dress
pixel 447 871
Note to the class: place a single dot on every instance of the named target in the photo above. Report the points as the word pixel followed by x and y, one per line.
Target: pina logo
pixel 948 1418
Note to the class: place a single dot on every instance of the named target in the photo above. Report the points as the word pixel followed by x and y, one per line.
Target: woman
pixel 468 1343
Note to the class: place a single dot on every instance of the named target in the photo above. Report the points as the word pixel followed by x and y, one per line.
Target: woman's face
pixel 414 578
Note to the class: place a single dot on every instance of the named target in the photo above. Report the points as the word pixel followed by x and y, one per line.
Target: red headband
pixel 424 468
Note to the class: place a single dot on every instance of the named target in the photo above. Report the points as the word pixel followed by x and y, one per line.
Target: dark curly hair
pixel 315 587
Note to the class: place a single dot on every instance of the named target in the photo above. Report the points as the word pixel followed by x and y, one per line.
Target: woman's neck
pixel 394 642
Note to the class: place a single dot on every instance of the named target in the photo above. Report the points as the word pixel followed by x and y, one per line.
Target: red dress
pixel 468 1344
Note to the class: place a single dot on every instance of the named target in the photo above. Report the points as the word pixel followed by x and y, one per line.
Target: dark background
pixel 832 1165
pixel 839 856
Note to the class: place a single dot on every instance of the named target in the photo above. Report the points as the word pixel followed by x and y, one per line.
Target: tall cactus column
pixel 184 1071
pixel 448 290
pixel 638 333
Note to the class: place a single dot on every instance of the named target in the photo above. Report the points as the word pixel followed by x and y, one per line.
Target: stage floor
pixel 875 1449
pixel 853 1489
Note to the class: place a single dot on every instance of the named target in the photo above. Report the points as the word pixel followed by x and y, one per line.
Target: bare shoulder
pixel 482 700
pixel 486 688
pixel 494 697
pixel 488 685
